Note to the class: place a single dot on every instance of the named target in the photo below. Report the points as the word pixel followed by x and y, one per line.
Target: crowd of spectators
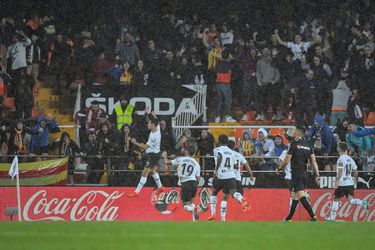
pixel 288 61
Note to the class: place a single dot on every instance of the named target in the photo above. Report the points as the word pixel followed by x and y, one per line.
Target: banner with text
pixel 112 204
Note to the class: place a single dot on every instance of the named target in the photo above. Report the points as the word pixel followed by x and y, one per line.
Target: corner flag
pixel 13 171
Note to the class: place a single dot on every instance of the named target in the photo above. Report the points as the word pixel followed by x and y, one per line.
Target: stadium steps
pixel 47 103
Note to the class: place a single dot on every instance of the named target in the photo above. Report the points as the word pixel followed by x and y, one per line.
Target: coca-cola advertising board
pixel 112 204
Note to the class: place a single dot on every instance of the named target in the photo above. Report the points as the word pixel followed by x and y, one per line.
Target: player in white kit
pixel 152 150
pixel 240 161
pixel 344 185
pixel 188 171
pixel 224 177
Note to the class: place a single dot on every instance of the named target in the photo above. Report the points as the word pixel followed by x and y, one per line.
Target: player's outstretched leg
pixel 242 200
pixel 192 209
pixel 358 202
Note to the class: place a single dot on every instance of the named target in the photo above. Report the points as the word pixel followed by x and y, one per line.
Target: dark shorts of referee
pixel 342 191
pixel 188 190
pixel 227 185
pixel 298 184
pixel 152 160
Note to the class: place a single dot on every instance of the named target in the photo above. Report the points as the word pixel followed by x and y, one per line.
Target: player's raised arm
pixel 140 145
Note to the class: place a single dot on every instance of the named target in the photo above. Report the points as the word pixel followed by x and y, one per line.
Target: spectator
pixel 16 53
pixel 184 142
pixel 223 72
pixel 167 139
pixel 152 55
pixel 197 70
pixel 265 149
pixel 297 47
pixel 123 113
pixel 127 50
pixel 34 58
pixel 304 89
pixel 341 96
pixel 93 114
pixel 226 36
pixel 365 132
pixel 184 72
pixel 94 169
pixel 126 78
pixel 68 148
pixel 19 141
pixel 40 134
pixel 206 144
pixel 247 57
pixel 108 146
pixel 365 71
pixel 322 140
pixel 267 93
pixel 341 130
pixel 355 111
pixel 4 140
pixel 246 144
pixel 359 146
pixel 141 80
pixel 214 51
pixel 127 152
pixel 100 69
pixel 59 52
pixel 279 145
pixel 115 73
pixel 23 99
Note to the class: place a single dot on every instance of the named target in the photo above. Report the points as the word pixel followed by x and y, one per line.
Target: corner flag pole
pixel 18 197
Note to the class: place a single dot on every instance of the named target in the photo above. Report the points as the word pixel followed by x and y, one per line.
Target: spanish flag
pixel 41 173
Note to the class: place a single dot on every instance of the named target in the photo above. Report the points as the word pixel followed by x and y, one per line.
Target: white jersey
pixel 347 164
pixel 240 160
pixel 153 142
pixel 288 170
pixel 226 170
pixel 188 168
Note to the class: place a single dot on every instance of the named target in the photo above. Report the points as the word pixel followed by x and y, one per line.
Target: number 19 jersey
pixel 347 164
pixel 188 168
pixel 226 170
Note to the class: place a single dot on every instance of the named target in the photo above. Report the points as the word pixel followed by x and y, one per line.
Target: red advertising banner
pixel 112 204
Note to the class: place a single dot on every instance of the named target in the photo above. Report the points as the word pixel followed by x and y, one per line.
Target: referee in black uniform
pixel 298 154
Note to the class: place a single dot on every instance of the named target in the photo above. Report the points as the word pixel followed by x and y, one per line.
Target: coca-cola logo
pixel 322 208
pixel 165 202
pixel 94 205
pixel 204 198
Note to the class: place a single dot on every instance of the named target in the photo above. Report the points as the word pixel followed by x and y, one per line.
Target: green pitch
pixel 185 235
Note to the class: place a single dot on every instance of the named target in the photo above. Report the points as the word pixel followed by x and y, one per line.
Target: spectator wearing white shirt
pixel 226 36
pixel 297 46
pixel 16 52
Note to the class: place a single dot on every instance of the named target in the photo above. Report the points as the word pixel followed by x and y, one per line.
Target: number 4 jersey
pixel 227 168
pixel 347 164
pixel 188 168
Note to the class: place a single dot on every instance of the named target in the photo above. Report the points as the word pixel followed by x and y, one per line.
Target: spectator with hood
pixel 265 148
pixel 40 134
pixel 321 139
pixel 279 145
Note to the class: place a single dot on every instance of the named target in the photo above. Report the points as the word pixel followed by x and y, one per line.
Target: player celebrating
pixel 240 160
pixel 224 177
pixel 188 171
pixel 152 149
pixel 298 154
pixel 344 185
